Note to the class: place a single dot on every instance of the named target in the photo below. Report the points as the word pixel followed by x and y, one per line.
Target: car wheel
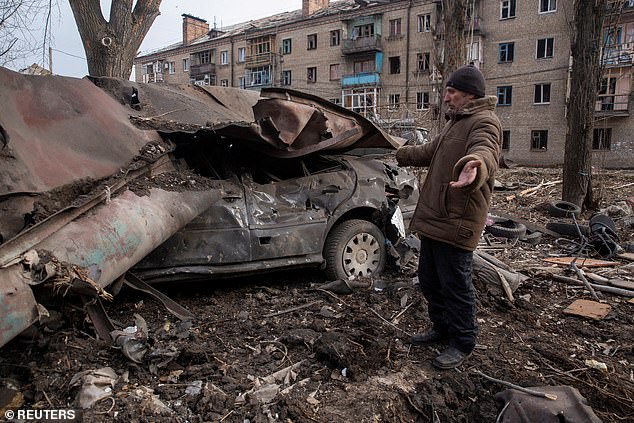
pixel 354 248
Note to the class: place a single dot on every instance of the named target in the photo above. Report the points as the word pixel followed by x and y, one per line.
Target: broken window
pixel 539 140
pixel 506 139
pixel 312 42
pixel 395 65
pixel 394 102
pixel 311 75
pixel 363 31
pixel 424 23
pixel 422 100
pixel 422 61
pixel 602 139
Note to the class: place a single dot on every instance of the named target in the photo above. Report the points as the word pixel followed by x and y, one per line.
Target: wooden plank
pixel 626 256
pixel 587 308
pixel 581 261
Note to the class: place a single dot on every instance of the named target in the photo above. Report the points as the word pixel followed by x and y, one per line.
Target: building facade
pixel 377 58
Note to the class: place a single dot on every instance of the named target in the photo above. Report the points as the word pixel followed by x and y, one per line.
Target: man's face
pixel 455 99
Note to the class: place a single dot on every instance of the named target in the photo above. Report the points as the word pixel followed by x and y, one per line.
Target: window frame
pixel 424 22
pixel 311 74
pixel 598 141
pixel 551 6
pixel 539 88
pixel 545 47
pixel 395 27
pixel 311 42
pixel 224 57
pixel 287 78
pixel 508 49
pixel 511 7
pixel 423 59
pixel 540 133
pixel 421 103
pixel 507 92
pixel 338 72
pixel 186 64
pixel 394 102
pixel 287 46
pixel 335 37
pixel 242 54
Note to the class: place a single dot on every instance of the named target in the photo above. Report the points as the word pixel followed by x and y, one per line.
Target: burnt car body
pixel 182 182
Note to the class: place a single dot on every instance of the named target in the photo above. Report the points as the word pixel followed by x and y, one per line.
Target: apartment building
pixel 377 58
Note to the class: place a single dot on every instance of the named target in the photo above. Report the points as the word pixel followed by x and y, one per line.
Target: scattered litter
pixel 95 386
pixel 594 364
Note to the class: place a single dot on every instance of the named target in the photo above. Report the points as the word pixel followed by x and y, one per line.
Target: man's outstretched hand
pixel 467 174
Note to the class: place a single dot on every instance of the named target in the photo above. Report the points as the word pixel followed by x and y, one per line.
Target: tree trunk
pixel 584 82
pixel 449 46
pixel 112 45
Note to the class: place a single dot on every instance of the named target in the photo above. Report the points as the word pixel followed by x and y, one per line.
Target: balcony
pixel 361 45
pixel 612 105
pixel 203 69
pixel 366 79
pixel 258 60
pixel 618 55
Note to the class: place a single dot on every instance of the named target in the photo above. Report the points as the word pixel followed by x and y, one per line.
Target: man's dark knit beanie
pixel 469 79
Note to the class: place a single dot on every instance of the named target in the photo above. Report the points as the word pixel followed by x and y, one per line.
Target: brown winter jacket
pixel 457 215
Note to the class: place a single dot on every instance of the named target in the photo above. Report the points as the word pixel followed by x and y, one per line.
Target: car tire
pixel 563 209
pixel 354 248
pixel 506 228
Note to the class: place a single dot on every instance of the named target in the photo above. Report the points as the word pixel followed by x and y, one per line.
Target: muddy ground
pixel 280 347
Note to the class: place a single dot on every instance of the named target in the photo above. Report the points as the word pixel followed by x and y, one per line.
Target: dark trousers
pixel 444 273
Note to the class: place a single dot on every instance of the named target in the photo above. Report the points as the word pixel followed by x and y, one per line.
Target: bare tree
pixel 111 46
pixel 584 82
pixel 17 38
pixel 449 44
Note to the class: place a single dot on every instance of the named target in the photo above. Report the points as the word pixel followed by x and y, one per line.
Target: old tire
pixel 354 248
pixel 563 209
pixel 506 228
pixel 568 229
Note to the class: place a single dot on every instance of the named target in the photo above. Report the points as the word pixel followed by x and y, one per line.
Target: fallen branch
pixel 290 310
pixel 389 323
pixel 517 387
pixel 602 288
pixel 584 280
pixel 532 190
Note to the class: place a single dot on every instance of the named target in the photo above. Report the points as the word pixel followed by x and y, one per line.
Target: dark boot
pixel 451 358
pixel 429 337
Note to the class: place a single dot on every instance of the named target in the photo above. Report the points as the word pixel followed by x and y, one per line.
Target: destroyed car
pixel 332 211
pixel 107 181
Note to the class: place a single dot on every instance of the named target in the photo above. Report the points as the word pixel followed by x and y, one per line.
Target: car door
pixel 288 214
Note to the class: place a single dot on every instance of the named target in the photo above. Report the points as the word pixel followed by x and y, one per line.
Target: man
pixel 451 211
